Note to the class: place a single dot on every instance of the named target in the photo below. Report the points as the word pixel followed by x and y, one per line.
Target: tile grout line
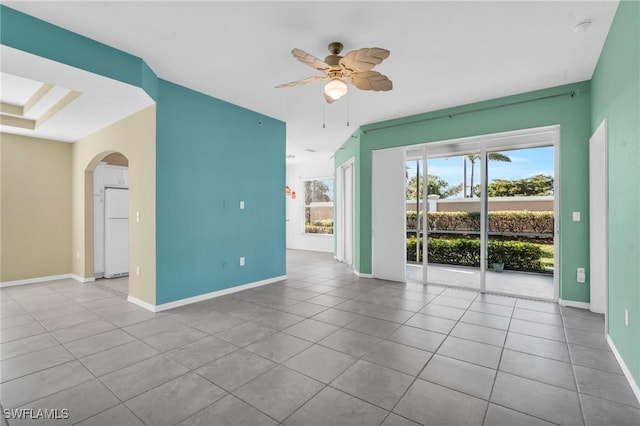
pixel 415 379
pixel 575 376
pixel 495 378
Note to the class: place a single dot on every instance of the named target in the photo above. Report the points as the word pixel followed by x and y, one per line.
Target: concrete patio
pixel 525 284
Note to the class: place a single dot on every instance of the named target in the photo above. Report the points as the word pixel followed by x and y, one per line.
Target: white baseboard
pixel 142 303
pixel 625 370
pixel 572 304
pixel 83 280
pixel 206 296
pixel 361 275
pixel 36 280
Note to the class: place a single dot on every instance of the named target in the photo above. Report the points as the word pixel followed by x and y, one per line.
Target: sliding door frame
pixel 519 139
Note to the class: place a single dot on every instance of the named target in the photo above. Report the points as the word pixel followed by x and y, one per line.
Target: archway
pixel 106 195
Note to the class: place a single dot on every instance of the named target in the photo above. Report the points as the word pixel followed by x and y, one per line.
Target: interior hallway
pixel 322 347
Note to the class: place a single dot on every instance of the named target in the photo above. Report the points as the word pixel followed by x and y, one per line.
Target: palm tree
pixel 491 156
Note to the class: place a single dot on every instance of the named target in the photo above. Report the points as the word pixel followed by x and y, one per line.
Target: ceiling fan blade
pixel 329 99
pixel 303 81
pixel 310 60
pixel 363 59
pixel 371 80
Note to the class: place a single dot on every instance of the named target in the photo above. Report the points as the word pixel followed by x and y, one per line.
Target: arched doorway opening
pixel 107 221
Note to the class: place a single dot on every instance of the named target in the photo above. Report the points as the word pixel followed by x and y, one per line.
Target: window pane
pixel 318 191
pixel 318 210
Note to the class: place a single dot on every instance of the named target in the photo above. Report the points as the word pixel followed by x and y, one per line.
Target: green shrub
pixel 411 219
pixel 499 221
pixel 521 221
pixel 323 222
pixel 411 248
pixel 516 255
pixel 453 221
pixel 317 229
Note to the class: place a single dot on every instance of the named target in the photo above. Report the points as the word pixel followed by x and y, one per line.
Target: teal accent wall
pixel 210 155
pixel 528 110
pixel 616 97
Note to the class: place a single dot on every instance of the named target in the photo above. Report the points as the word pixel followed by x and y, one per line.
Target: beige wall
pixel 135 138
pixel 36 208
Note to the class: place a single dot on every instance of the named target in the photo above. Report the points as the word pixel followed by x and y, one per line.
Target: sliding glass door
pixel 520 218
pixel 481 213
pixel 453 225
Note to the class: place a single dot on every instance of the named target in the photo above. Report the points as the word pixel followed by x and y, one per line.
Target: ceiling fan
pixel 354 68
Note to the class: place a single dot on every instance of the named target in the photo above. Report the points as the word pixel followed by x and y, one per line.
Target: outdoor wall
pixel 134 137
pixel 210 156
pixel 35 209
pixel 616 97
pixel 531 204
pixel 296 238
pixel 535 109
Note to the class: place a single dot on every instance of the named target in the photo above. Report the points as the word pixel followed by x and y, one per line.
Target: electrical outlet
pixel 137 216
pixel 576 216
pixel 626 317
pixel 242 261
pixel 241 205
pixel 581 276
pixel 138 270
pixel 78 254
pixel 225 264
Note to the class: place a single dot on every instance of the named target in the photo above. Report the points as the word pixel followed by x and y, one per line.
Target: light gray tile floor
pixel 323 347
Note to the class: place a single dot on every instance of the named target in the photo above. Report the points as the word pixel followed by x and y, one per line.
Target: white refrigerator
pixel 116 232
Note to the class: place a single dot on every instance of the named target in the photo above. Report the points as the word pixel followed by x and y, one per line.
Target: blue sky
pixel 524 163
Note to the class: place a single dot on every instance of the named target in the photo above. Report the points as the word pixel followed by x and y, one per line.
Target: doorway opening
pixel 108 175
pixel 345 215
pixel 482 213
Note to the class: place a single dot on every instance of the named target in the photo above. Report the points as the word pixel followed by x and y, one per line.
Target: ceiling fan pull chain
pixel 324 115
pixel 348 103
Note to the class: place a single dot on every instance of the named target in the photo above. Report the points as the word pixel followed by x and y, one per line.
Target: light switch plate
pixel 241 205
pixel 576 216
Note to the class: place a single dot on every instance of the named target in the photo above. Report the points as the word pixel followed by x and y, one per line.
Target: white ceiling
pixel 102 101
pixel 442 53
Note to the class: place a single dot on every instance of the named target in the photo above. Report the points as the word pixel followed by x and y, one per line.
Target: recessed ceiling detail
pixel 27 104
pixel 46 99
pixel 21 108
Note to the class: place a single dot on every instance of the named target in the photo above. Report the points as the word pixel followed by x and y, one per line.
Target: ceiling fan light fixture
pixel 335 89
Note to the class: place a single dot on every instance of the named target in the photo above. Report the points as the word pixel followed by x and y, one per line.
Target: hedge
pixel 318 229
pixel 499 221
pixel 324 226
pixel 516 255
